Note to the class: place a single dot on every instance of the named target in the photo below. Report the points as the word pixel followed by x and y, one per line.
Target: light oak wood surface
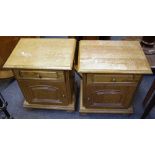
pixel 44 71
pixel 40 53
pixel 7 44
pixel 111 72
pixel 112 57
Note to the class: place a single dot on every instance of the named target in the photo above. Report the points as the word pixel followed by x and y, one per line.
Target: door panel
pixel 44 92
pixel 109 95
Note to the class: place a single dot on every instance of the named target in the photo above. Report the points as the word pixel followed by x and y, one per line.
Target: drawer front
pixel 99 78
pixel 28 74
pixel 109 95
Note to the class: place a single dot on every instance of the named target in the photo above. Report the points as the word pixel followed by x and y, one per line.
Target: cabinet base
pixel 112 111
pixel 70 107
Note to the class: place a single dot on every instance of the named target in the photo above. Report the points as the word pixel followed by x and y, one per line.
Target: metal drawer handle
pixel 39 76
pixel 113 79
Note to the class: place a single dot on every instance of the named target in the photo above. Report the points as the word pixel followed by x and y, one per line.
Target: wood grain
pixel 43 69
pixel 112 57
pixel 70 107
pixel 42 54
pixel 109 95
pixel 111 72
pixel 46 92
pixel 7 44
pixel 99 92
pixel 83 109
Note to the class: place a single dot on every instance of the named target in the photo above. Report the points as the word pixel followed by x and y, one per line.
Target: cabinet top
pixel 112 57
pixel 37 53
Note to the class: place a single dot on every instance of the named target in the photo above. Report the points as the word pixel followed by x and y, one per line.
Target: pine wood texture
pixel 7 44
pixel 83 109
pixel 111 72
pixel 48 93
pixel 43 69
pixel 108 93
pixel 112 57
pixel 40 53
pixel 69 107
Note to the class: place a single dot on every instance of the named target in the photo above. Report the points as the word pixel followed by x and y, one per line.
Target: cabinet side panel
pixel 69 79
pixel 85 93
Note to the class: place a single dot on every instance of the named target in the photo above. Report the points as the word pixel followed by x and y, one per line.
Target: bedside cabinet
pixel 43 69
pixel 111 72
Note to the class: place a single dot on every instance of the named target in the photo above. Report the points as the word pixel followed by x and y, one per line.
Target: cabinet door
pixel 44 92
pixel 109 95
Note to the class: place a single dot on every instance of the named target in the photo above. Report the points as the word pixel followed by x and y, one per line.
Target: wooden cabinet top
pixel 42 53
pixel 112 57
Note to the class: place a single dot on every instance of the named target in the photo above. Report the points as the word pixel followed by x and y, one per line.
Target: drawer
pixel 99 78
pixel 31 74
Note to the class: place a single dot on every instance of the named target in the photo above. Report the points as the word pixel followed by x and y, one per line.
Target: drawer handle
pixel 113 79
pixel 39 76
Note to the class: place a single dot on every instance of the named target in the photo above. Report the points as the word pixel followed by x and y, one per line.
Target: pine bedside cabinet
pixel 111 72
pixel 43 69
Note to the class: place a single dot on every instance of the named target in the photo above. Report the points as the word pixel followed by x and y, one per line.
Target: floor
pixel 14 97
